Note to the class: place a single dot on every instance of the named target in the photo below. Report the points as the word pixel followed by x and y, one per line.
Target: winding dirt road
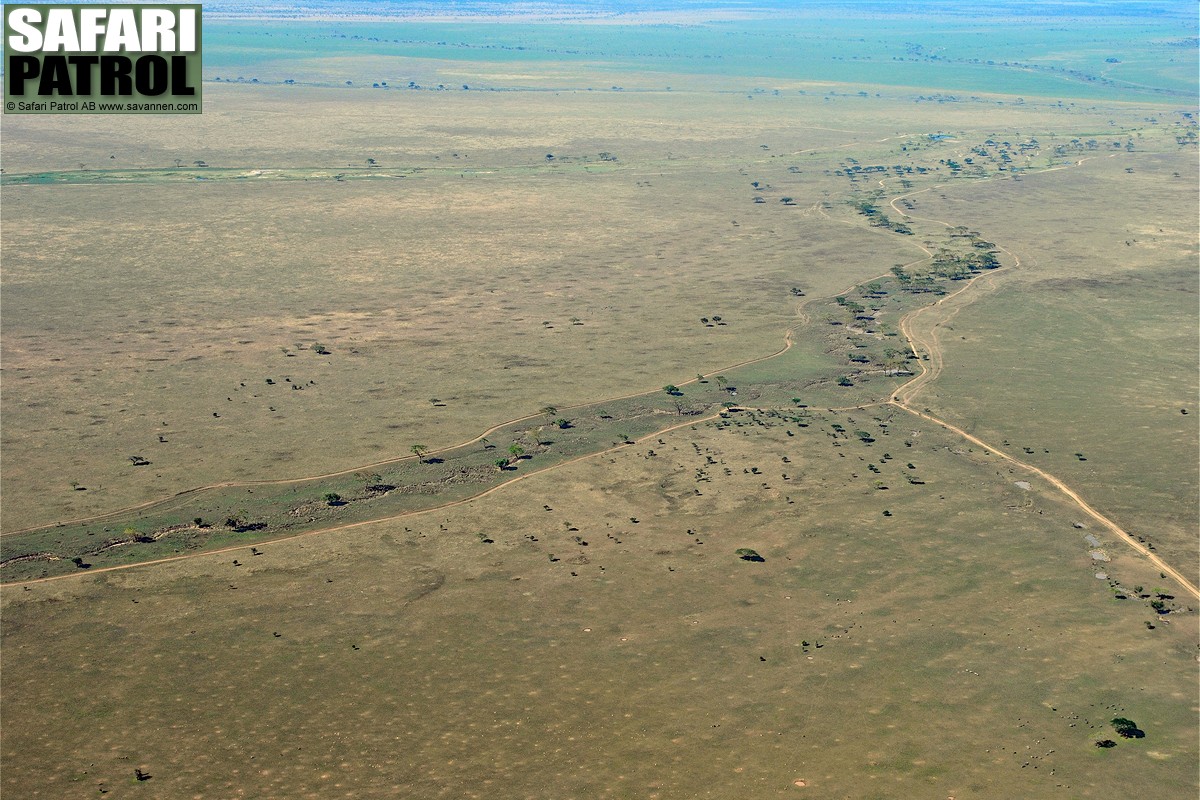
pixel 903 395
pixel 900 398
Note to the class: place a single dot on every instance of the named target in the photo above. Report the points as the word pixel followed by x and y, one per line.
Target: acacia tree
pixel 419 450
pixel 1127 728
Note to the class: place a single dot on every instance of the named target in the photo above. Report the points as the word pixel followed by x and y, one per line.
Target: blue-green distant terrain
pixel 1118 51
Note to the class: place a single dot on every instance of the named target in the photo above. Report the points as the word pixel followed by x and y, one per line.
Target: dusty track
pixel 904 394
pixel 900 398
pixel 361 523
pixel 163 503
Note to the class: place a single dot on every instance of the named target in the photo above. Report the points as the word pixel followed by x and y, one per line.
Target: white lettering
pixel 122 31
pixel 100 29
pixel 60 31
pixel 28 38
pixel 91 25
pixel 157 30
pixel 187 30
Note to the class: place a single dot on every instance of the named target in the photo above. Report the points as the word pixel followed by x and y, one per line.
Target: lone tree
pixel 672 390
pixel 549 411
pixel 1127 728
pixel 516 451
pixel 333 498
pixel 419 450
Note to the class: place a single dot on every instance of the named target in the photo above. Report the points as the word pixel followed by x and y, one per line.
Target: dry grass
pixel 1090 340
pixel 966 646
pixel 960 646
pixel 118 333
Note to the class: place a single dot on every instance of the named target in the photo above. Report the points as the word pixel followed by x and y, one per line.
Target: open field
pixel 395 277
pixel 875 331
pixel 173 331
pixel 608 641
pixel 1113 305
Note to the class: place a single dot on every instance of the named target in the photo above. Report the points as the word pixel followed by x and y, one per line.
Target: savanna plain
pixel 706 403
